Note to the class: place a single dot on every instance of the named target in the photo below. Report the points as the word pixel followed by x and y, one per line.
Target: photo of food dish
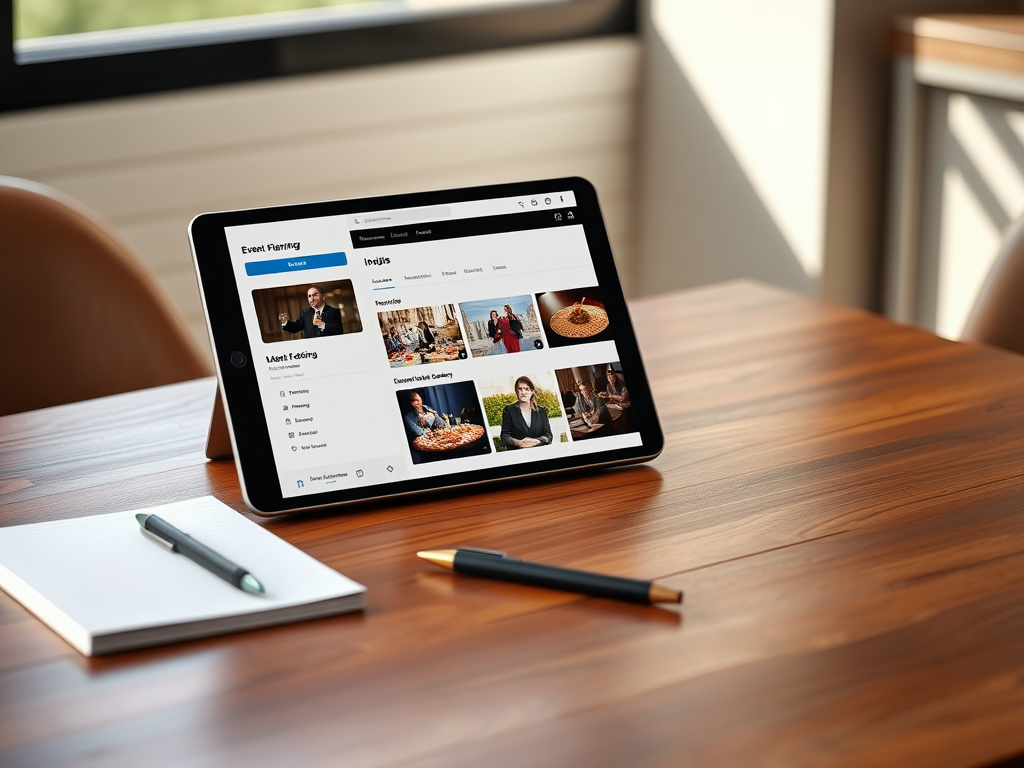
pixel 448 439
pixel 574 316
pixel 443 422
pixel 421 335
pixel 579 321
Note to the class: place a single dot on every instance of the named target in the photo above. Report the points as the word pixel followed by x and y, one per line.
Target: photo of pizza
pixel 448 439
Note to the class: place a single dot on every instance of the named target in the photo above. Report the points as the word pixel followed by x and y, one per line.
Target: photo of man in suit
pixel 320 319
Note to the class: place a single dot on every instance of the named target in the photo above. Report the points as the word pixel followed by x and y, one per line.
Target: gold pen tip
pixel 443 557
pixel 660 594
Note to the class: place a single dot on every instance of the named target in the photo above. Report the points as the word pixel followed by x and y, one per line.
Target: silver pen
pixel 178 541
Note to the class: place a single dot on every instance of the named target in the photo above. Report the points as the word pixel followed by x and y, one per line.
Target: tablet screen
pixel 411 346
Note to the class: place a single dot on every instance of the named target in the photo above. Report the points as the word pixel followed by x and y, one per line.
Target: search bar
pixel 402 216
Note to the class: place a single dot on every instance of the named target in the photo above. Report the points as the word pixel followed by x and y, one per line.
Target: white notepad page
pixel 100 579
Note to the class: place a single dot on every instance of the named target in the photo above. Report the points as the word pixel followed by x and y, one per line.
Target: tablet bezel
pixel 239 387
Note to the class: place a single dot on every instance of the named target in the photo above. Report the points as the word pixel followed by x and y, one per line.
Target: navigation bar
pixel 453 228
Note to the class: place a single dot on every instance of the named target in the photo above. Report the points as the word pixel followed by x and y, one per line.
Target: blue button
pixel 295 263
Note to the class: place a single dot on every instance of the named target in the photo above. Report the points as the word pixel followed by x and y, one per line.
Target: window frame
pixel 283 52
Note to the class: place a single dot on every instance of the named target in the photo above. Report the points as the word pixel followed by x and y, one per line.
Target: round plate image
pixel 566 321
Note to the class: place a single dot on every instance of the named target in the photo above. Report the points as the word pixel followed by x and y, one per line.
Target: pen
pixel 497 565
pixel 166 534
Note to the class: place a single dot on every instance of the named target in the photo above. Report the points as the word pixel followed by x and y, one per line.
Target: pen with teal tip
pixel 178 541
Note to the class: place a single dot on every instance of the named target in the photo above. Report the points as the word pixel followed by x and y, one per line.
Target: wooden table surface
pixel 841 498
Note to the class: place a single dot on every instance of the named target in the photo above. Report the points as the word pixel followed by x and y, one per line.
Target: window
pixel 64 51
pixel 35 19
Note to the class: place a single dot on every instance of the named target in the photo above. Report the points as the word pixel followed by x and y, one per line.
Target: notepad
pixel 104 587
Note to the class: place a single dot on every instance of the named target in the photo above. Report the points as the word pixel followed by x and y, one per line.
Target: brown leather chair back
pixel 997 318
pixel 83 317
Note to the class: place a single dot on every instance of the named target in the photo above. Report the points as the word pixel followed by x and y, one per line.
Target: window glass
pixel 79 50
pixel 49 18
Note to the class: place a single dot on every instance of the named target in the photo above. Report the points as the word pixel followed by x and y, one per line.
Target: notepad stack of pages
pixel 104 586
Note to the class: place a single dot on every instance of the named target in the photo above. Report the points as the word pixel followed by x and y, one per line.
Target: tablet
pixel 397 345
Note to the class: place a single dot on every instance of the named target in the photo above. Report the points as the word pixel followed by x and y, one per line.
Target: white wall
pixel 735 142
pixel 148 165
pixel 764 142
pixel 737 127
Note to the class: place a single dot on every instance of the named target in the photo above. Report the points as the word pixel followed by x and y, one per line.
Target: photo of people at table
pixel 574 316
pixel 443 422
pixel 307 311
pixel 501 326
pixel 421 335
pixel 523 411
pixel 596 400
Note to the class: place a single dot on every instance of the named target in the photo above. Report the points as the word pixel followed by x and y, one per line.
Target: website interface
pixel 405 344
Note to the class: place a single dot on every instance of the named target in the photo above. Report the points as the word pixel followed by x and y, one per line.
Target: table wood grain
pixel 840 497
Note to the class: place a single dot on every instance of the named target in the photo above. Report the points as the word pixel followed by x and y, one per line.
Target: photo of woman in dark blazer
pixel 524 424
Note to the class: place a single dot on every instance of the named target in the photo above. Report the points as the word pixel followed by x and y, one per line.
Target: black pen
pixel 164 533
pixel 497 565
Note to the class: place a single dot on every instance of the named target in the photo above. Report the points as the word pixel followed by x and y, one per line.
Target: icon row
pixel 534 202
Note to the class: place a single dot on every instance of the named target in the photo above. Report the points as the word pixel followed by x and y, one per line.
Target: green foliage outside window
pixel 48 18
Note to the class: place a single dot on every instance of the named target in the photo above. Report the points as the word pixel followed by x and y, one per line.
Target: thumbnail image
pixel 443 422
pixel 500 326
pixel 421 335
pixel 596 401
pixel 307 311
pixel 523 411
pixel 576 316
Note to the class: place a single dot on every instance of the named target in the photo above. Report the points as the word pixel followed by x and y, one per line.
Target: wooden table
pixel 841 497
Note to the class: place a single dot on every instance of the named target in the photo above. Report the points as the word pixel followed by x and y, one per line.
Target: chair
pixel 997 318
pixel 84 318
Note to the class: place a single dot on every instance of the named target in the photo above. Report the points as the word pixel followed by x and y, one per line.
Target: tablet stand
pixel 218 441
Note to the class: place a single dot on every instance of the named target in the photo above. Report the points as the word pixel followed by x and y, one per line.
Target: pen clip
pixel 478 551
pixel 148 533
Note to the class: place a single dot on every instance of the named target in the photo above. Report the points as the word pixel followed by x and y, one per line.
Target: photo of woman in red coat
pixel 509 330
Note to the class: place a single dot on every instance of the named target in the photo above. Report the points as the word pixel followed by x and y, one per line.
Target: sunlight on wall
pixel 987 153
pixel 969 231
pixel 763 73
